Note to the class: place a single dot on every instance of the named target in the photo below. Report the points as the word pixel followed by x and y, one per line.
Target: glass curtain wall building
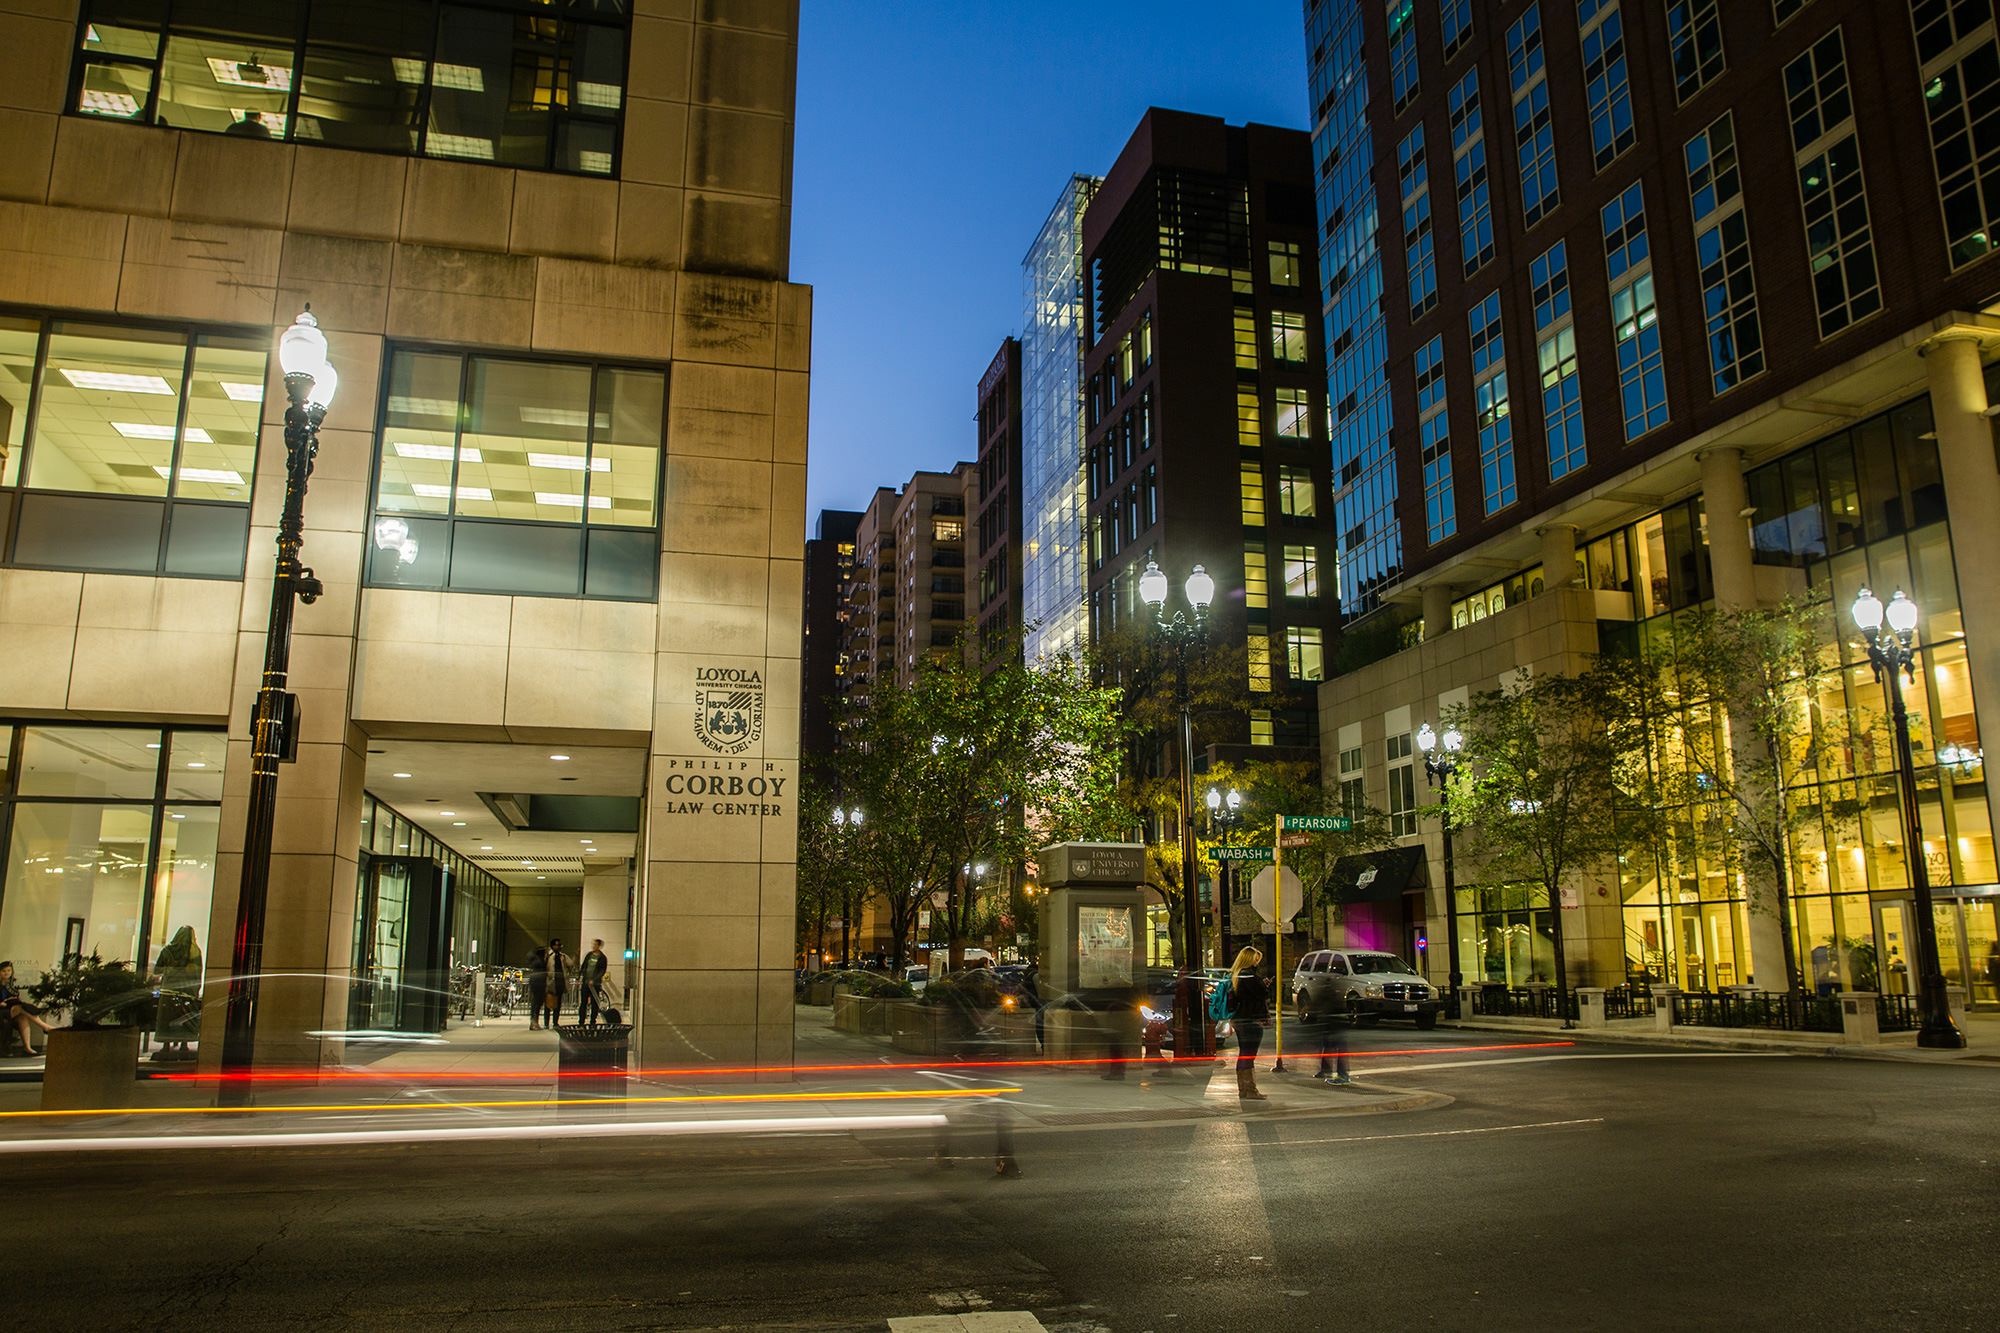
pixel 1054 332
pixel 1369 545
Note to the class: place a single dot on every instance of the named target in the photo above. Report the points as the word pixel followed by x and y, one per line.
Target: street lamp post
pixel 1224 813
pixel 1181 630
pixel 845 824
pixel 1440 767
pixel 309 385
pixel 1892 655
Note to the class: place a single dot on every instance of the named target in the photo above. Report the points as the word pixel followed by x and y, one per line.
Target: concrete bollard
pixel 1858 1025
pixel 1590 1007
pixel 1663 1007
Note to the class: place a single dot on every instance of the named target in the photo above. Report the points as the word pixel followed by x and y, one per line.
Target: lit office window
pixel 1402 786
pixel 1534 124
pixel 1245 331
pixel 1252 473
pixel 144 448
pixel 1301 571
pixel 478 82
pixel 1418 245
pixel 1840 241
pixel 1468 162
pixel 1434 437
pixel 1555 357
pixel 1261 731
pixel 1249 419
pixel 1642 380
pixel 1288 337
pixel 1305 655
pixel 1284 259
pixel 1961 89
pixel 1607 82
pixel 1296 496
pixel 519 476
pixel 1722 245
pixel 1258 653
pixel 1494 417
pixel 1294 413
pixel 1256 576
pixel 112 849
pixel 1694 42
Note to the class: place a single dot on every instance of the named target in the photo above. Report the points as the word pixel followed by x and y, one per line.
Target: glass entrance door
pixel 378 972
pixel 1898 959
pixel 1982 948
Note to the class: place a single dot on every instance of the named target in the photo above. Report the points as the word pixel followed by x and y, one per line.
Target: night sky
pixel 933 139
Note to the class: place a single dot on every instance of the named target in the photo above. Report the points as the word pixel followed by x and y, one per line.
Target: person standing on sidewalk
pixel 538 986
pixel 590 975
pixel 560 968
pixel 1327 1032
pixel 1249 1010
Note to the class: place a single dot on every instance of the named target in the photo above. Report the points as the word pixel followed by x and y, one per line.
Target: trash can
pixel 590 1064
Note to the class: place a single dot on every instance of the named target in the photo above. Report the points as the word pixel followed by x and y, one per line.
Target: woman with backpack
pixel 1249 1010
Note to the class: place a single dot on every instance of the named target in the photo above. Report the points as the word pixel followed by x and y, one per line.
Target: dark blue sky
pixel 933 139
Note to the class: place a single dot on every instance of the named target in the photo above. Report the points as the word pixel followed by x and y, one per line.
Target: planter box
pixel 819 992
pixel 89 1068
pixel 846 1012
pixel 932 1029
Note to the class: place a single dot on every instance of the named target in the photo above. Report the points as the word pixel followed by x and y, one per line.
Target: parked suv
pixel 1363 984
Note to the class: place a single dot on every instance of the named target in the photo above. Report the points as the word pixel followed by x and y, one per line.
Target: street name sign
pixel 1316 823
pixel 1297 840
pixel 1239 854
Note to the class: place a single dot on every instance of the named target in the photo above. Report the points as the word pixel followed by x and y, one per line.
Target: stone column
pixel 1437 609
pixel 1725 497
pixel 1558 556
pixel 606 886
pixel 1966 458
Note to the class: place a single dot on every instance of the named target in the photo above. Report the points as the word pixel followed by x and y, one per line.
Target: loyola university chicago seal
pixel 728 708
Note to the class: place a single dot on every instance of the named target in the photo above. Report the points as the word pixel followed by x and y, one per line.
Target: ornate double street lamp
pixel 274 724
pixel 1893 654
pixel 1224 813
pixel 1441 766
pixel 1182 630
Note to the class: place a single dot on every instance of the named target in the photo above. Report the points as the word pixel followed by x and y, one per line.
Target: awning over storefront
pixel 1379 877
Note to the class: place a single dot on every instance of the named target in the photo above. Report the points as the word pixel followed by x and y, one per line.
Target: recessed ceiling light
pixel 541 877
pixel 458 823
pixel 487 848
pixel 196 763
pixel 116 382
pixel 399 775
pixel 242 393
pixel 176 816
pixel 560 758
pixel 447 814
pixel 149 430
pixel 152 745
pixel 586 841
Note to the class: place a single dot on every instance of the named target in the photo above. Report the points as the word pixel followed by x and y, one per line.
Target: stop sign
pixel 1264 891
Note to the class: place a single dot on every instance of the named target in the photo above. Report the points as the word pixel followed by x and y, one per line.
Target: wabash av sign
pixel 728 708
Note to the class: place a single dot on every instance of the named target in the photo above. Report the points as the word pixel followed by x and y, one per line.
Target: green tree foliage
pixel 1735 730
pixel 1553 780
pixel 967 767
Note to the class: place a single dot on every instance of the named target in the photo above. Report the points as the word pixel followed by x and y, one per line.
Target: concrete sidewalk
pixel 1981 1029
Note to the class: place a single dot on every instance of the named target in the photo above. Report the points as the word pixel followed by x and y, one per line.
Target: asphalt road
pixel 1584 1189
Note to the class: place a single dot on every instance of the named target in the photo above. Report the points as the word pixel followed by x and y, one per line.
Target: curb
pixel 1745 1043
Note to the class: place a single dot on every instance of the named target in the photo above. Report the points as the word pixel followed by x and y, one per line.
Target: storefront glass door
pixel 1982 948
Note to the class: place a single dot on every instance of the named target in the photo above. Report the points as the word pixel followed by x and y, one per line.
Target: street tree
pixel 1553 781
pixel 1735 728
pixel 965 767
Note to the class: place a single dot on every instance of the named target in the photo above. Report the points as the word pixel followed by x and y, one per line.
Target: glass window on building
pixel 504 475
pixel 1294 413
pixel 1288 337
pixel 1256 577
pixel 1284 263
pixel 110 849
pixel 1245 332
pixel 1296 496
pixel 1252 475
pixel 514 85
pixel 1302 572
pixel 1305 659
pixel 144 447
